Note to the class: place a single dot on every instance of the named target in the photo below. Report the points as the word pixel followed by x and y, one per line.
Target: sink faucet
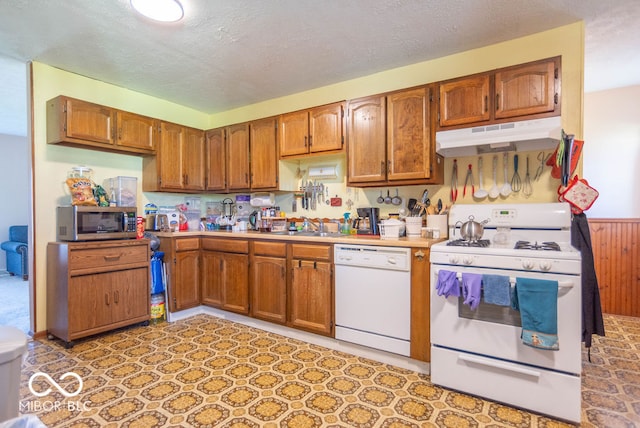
pixel 307 222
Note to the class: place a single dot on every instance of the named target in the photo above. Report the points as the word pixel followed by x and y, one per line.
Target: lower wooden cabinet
pixel 182 261
pixel 95 287
pixel 269 281
pixel 311 288
pixel 225 277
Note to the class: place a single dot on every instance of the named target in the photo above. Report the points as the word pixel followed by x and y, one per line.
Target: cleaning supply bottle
pixel 346 226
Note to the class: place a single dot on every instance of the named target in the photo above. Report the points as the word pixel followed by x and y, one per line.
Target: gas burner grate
pixel 467 243
pixel 545 246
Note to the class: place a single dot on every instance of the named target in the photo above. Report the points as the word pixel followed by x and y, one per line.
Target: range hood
pixel 527 135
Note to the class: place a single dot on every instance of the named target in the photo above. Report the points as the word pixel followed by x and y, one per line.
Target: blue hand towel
pixel 537 300
pixel 447 284
pixel 471 289
pixel 497 289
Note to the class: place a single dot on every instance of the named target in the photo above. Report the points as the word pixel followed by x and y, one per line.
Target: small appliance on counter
pixel 367 221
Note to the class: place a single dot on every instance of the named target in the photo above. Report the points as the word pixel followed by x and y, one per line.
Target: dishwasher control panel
pixel 389 258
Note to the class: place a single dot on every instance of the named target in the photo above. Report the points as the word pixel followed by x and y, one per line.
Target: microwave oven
pixel 89 223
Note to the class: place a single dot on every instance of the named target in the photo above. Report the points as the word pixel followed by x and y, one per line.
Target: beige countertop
pixel 331 239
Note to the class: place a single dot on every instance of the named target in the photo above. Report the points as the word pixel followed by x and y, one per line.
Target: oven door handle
pixel 512 280
pixel 499 365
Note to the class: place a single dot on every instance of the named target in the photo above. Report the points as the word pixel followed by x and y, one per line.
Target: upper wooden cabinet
pixel 513 93
pixel 526 90
pixel 80 123
pixel 242 157
pixel 179 163
pixel 263 143
pixel 389 140
pixel 316 130
pixel 464 101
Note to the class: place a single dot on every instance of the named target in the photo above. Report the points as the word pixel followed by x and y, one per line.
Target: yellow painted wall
pixel 51 162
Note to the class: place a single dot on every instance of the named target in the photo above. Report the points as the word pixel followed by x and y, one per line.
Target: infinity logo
pixel 54 383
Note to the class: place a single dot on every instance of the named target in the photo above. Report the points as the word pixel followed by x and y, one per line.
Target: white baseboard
pixel 327 342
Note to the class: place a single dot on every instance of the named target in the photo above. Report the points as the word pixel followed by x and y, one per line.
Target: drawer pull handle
pixel 112 258
pixel 499 365
pixel 106 299
pixel 116 297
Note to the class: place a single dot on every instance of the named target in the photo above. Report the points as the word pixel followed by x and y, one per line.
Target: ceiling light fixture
pixel 159 10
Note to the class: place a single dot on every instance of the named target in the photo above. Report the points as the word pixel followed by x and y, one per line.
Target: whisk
pixel 516 183
pixel 527 189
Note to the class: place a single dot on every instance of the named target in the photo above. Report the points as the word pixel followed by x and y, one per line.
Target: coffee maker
pixel 367 221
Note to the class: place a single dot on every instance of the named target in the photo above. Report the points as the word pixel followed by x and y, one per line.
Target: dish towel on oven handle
pixel 448 284
pixel 537 301
pixel 496 289
pixel 471 289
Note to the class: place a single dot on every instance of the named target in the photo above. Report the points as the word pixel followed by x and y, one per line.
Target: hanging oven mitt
pixel 471 289
pixel 579 194
pixel 447 284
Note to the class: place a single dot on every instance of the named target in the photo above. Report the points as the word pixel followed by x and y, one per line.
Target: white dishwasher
pixel 373 296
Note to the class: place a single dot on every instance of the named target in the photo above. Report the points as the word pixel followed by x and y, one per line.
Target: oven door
pixel 495 331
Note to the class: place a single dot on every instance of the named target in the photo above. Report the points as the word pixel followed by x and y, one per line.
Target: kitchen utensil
pixel 425 196
pixel 314 190
pixel 320 193
pixel 411 206
pixel 468 180
pixel 527 189
pixel 454 181
pixel 516 183
pixel 471 230
pixel 380 198
pixel 396 200
pixel 480 193
pixel 506 187
pixel 387 200
pixel 543 160
pixel 494 192
pixel 439 206
pixel 326 193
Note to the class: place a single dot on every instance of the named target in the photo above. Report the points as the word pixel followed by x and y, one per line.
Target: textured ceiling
pixel 231 53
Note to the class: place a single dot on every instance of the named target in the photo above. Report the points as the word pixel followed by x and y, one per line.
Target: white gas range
pixel 487 349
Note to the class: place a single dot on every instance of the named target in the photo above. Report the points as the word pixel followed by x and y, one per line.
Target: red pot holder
pixel 579 194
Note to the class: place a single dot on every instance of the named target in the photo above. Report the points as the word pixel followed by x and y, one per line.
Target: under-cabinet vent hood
pixel 527 135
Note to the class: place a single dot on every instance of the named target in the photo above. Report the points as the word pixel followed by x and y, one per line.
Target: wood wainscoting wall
pixel 616 253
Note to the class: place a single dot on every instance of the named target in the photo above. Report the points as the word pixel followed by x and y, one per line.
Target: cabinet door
pixel 294 133
pixel 269 289
pixel 464 101
pixel 525 90
pixel 366 140
pixel 215 163
pixel 311 296
pixel 235 289
pixel 264 154
pixel 238 157
pixel 136 131
pixel 88 121
pixel 130 294
pixel 186 289
pixel 90 301
pixel 408 135
pixel 169 156
pixel 212 281
pixel 325 128
pixel 193 159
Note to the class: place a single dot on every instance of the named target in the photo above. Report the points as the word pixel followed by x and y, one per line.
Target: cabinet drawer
pixel 185 244
pixel 109 256
pixel 266 248
pixel 304 251
pixel 226 245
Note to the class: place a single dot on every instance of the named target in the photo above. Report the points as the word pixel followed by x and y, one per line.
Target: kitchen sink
pixel 307 233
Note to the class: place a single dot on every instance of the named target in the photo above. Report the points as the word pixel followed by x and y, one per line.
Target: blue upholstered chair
pixel 17 251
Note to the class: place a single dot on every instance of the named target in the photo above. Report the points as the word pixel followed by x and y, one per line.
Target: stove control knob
pixel 527 264
pixel 453 259
pixel 545 265
pixel 467 260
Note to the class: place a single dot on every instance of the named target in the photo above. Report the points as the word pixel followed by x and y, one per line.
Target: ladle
pixel 480 193
pixel 506 187
pixel 494 192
